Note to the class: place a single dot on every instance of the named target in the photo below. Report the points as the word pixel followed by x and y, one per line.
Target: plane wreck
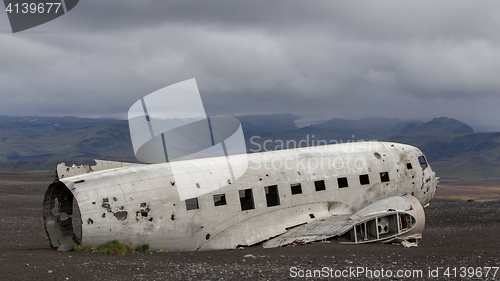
pixel 358 192
pixel 202 191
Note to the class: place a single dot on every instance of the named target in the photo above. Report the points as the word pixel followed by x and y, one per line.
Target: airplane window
pixel 296 188
pixel 342 182
pixel 220 199
pixel 384 176
pixel 409 166
pixel 192 204
pixel 246 199
pixel 423 163
pixel 320 185
pixel 364 179
pixel 272 196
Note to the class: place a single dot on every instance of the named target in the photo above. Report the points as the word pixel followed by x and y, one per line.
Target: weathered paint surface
pixel 142 204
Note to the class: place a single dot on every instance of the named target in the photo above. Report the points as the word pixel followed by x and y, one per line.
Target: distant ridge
pixel 38 143
pixel 33 139
pixel 441 125
pixel 256 124
pixel 365 124
pixel 66 120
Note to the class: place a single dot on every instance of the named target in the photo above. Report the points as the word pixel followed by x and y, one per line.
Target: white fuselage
pixel 142 204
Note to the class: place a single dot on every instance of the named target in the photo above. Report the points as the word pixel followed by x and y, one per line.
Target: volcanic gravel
pixel 459 235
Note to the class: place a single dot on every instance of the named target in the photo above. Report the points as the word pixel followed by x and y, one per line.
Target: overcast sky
pixel 345 59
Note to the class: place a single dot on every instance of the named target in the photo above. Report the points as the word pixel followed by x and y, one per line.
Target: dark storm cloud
pixel 344 59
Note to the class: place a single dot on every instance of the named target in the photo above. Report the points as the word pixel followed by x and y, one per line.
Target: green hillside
pixel 49 141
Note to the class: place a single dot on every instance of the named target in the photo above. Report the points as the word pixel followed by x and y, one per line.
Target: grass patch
pixel 112 248
pixel 142 248
pixel 85 248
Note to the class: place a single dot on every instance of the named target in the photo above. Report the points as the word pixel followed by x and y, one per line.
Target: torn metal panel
pixel 408 244
pixel 314 231
pixel 63 171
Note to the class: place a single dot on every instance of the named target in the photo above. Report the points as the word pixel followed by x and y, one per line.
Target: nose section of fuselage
pixel 430 182
pixel 434 183
pixel 429 179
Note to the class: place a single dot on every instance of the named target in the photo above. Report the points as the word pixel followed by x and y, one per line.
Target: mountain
pixel 42 138
pixel 256 124
pixel 451 146
pixel 34 142
pixel 453 150
pixel 441 125
pixel 343 130
pixel 365 124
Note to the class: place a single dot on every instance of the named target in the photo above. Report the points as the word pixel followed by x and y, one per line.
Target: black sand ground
pixel 459 236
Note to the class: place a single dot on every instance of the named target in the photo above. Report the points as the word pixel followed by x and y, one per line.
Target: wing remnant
pixel 394 218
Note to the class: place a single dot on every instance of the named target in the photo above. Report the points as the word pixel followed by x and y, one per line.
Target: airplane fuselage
pixel 143 204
